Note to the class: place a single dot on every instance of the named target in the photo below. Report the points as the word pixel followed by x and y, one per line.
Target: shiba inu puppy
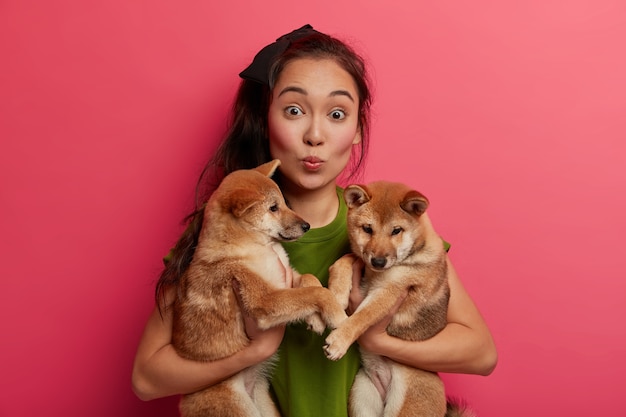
pixel 244 221
pixel 401 253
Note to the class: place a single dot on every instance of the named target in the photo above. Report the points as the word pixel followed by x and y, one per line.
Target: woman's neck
pixel 317 207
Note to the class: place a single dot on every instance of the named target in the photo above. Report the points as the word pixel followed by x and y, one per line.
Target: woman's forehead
pixel 320 76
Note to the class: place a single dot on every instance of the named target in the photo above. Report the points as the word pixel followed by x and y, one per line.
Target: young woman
pixel 304 100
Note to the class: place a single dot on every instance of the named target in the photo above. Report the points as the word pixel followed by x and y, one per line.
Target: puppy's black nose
pixel 305 227
pixel 379 262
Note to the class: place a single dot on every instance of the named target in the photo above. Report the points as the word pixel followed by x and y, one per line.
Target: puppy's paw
pixel 336 345
pixel 315 323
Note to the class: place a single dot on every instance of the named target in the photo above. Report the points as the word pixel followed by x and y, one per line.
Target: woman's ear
pixel 357 137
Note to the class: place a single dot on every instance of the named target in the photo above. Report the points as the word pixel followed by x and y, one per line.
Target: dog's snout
pixel 379 262
pixel 305 227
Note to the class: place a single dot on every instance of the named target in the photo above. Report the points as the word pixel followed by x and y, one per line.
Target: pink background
pixel 509 116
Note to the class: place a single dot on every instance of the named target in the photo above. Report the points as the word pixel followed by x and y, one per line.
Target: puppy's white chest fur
pixel 271 262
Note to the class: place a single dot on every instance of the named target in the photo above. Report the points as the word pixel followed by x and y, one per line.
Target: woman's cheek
pixel 348 141
pixel 281 135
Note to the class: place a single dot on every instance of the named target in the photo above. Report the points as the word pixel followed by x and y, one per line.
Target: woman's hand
pixel 263 343
pixel 158 370
pixel 356 295
pixel 465 345
pixel 377 334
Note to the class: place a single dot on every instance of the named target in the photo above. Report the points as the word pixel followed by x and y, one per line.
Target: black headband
pixel 259 69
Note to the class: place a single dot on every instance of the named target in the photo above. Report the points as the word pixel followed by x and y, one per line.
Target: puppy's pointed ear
pixel 414 203
pixel 241 200
pixel 356 195
pixel 268 168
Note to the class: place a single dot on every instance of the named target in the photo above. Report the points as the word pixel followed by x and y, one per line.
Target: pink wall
pixel 510 116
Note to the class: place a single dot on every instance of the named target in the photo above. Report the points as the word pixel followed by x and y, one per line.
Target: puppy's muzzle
pixel 378 262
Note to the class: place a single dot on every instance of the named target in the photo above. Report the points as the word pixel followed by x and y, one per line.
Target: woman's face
pixel 313 123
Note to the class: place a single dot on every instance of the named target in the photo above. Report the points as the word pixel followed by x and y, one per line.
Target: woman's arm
pixel 465 345
pixel 158 371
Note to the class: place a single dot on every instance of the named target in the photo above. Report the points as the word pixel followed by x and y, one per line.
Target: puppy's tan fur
pixel 244 221
pixel 401 252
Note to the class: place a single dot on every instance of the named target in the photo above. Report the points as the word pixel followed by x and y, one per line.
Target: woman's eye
pixel 293 111
pixel 337 114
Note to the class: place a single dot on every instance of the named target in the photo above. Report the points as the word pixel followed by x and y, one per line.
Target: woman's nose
pixel 314 135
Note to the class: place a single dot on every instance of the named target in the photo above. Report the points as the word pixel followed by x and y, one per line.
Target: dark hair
pixel 246 144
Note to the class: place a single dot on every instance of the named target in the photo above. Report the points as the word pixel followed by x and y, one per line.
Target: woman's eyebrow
pixel 293 89
pixel 302 91
pixel 342 93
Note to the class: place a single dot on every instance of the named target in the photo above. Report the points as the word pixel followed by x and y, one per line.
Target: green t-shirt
pixel 305 383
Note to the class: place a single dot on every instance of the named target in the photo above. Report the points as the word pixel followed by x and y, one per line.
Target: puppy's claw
pixel 333 349
pixel 332 354
pixel 328 354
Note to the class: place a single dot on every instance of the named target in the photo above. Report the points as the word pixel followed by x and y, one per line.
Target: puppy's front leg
pixel 340 278
pixel 373 308
pixel 314 321
pixel 272 306
pixel 306 280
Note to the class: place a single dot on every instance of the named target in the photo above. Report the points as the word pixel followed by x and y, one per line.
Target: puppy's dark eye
pixel 396 230
pixel 274 207
pixel 367 229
